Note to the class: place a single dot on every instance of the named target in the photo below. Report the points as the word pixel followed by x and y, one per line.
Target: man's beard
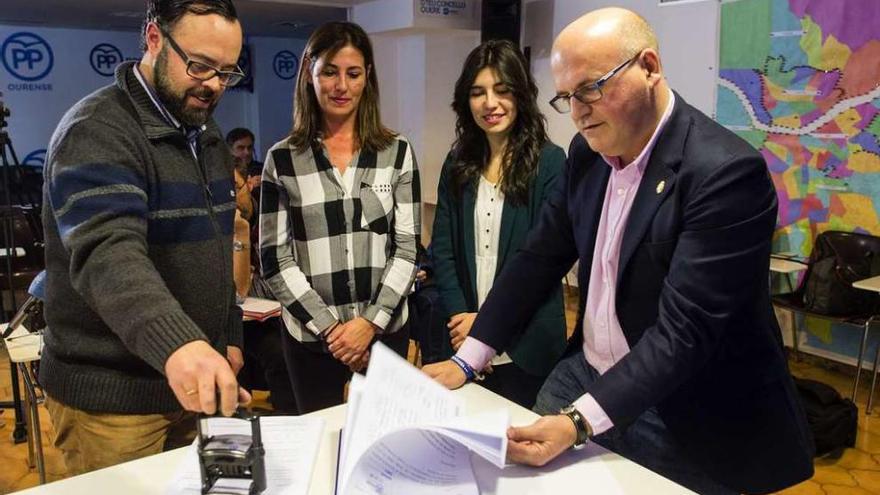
pixel 175 102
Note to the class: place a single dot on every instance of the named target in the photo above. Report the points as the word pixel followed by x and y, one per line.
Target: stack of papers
pixel 255 308
pixel 404 433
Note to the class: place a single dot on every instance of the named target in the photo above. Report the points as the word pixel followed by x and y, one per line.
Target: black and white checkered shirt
pixel 332 253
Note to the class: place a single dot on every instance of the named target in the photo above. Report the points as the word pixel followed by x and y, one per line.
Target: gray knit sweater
pixel 138 251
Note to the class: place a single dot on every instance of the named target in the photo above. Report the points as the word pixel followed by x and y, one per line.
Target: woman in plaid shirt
pixel 340 213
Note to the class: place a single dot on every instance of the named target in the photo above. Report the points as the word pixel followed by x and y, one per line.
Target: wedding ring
pixel 191 392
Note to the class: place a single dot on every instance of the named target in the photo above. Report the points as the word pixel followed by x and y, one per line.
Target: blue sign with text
pixel 27 56
pixel 285 64
pixel 104 58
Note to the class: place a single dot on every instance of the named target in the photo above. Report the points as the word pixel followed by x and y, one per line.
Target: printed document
pixel 407 434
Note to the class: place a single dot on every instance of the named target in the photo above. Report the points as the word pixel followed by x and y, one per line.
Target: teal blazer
pixel 539 346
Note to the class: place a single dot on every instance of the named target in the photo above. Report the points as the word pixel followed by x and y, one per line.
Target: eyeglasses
pixel 202 71
pixel 588 93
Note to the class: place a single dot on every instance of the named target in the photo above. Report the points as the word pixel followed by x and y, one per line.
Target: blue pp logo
pixel 285 64
pixel 35 158
pixel 27 56
pixel 104 58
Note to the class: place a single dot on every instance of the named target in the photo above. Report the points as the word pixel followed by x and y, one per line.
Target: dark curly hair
pixel 527 135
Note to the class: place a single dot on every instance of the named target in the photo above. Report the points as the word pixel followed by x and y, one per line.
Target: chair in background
pixel 27 257
pixel 23 339
pixel 853 250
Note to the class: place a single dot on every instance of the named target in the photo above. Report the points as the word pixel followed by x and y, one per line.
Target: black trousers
pixel 318 378
pixel 264 366
pixel 514 384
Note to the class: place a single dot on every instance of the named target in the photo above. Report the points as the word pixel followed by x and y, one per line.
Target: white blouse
pixel 487 226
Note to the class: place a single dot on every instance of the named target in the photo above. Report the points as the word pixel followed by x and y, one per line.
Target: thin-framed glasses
pixel 202 71
pixel 590 92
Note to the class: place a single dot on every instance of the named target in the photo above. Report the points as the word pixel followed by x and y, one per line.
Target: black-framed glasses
pixel 202 71
pixel 590 92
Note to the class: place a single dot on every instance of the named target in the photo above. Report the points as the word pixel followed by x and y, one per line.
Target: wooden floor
pixel 856 472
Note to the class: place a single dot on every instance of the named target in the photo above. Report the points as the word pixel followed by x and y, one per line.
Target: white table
pixel 870 284
pixel 786 267
pixel 780 265
pixel 24 348
pixel 573 472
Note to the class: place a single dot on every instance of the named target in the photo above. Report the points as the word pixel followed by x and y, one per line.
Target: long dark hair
pixel 527 135
pixel 325 42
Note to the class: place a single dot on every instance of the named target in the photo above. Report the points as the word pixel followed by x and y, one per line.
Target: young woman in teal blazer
pixel 500 170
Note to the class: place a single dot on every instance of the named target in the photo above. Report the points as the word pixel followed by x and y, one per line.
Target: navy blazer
pixel 537 348
pixel 692 299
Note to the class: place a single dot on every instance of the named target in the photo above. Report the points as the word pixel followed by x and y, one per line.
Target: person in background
pixel 264 367
pixel 241 239
pixel 138 218
pixel 677 361
pixel 241 142
pixel 501 169
pixel 339 219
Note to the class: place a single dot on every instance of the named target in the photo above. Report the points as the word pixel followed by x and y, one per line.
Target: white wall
pixel 418 59
pixel 38 104
pixel 274 107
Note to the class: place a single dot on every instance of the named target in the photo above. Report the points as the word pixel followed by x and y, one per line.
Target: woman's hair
pixel 527 134
pixel 325 42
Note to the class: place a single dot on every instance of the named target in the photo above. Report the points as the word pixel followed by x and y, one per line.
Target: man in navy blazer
pixel 676 361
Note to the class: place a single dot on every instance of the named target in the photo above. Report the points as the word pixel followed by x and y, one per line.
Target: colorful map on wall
pixel 800 81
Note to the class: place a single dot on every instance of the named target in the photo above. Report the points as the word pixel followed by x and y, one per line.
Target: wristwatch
pixel 584 432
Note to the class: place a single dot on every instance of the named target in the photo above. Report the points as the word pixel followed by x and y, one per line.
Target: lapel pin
pixel 660 186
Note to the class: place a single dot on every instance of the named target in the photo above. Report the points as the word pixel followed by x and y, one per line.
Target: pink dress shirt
pixel 604 342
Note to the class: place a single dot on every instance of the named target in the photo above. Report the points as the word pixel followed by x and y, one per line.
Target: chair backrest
pixel 853 245
pixel 838 259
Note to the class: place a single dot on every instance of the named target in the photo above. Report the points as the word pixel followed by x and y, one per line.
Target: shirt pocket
pixel 377 207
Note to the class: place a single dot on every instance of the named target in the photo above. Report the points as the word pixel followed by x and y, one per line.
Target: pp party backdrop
pixel 44 71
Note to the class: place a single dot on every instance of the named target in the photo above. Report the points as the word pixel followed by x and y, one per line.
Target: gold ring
pixel 192 392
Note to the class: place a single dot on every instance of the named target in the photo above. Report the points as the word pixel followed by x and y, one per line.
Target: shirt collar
pixel 642 159
pixel 192 133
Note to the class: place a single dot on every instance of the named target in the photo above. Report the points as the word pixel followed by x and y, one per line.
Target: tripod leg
pixel 19 434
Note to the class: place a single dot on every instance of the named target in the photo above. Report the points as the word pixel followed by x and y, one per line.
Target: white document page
pixel 291 444
pixel 407 434
pixel 413 461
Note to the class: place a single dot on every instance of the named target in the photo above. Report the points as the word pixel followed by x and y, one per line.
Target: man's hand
pixel 447 373
pixel 540 442
pixel 235 358
pixel 196 372
pixel 348 341
pixel 459 327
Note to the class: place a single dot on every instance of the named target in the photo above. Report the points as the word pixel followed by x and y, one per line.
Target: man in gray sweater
pixel 138 212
